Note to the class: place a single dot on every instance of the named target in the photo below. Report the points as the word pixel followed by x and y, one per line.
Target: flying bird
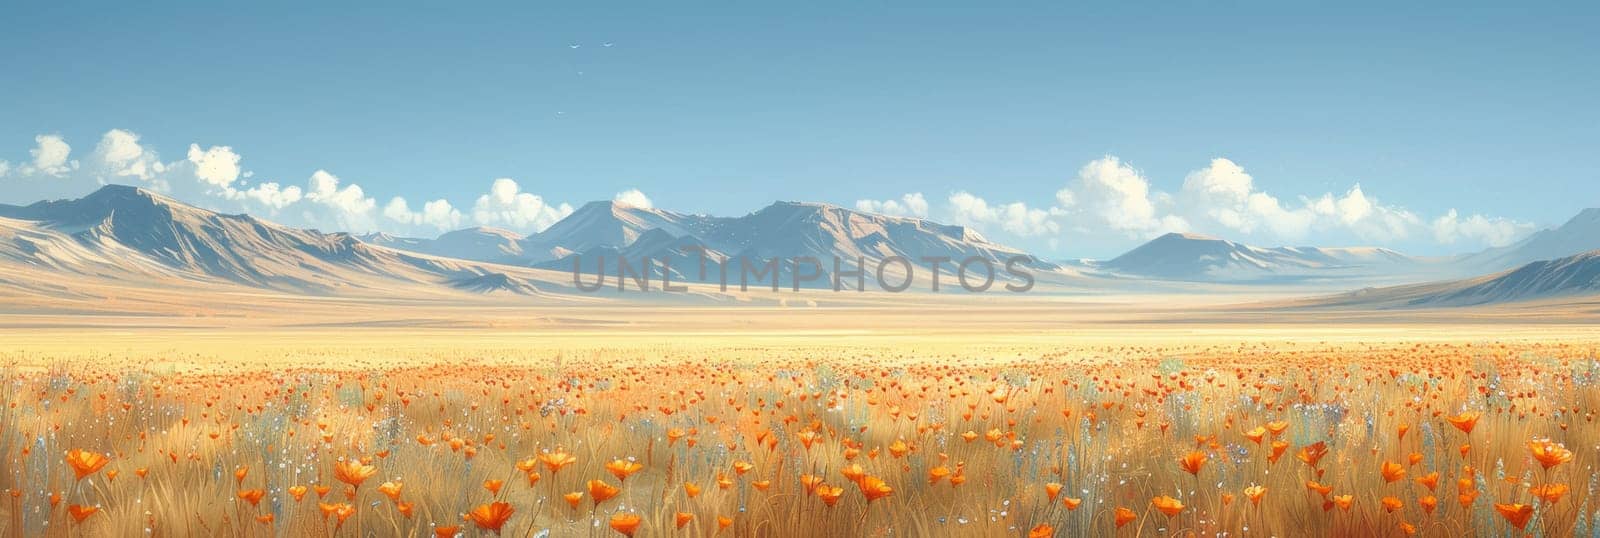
pixel 605 44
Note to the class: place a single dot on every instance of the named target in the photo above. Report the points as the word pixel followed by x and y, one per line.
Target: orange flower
pixel 625 523
pixel 446 532
pixel 1192 462
pixel 1254 493
pixel 264 518
pixel 1429 480
pixel 1124 515
pixel 938 473
pixel 1344 501
pixel 353 472
pixel 622 469
pixel 829 494
pixel 1313 453
pixel 1277 428
pixel 853 473
pixel 682 518
pixel 724 522
pixel 742 467
pixel 1551 493
pixel 491 516
pixel 1516 514
pixel 1071 502
pixel 556 460
pixel 1256 434
pixel 252 496
pixel 80 513
pixel 239 474
pixel 1042 531
pixel 1464 421
pixel 1392 471
pixel 1428 503
pixel 1392 504
pixel 493 486
pixel 391 490
pixel 691 490
pixel 1278 448
pixel 298 492
pixel 874 488
pixel 403 507
pixel 1549 453
pixel 1167 505
pixel 599 490
pixel 85 463
pixel 1051 490
pixel 573 498
pixel 1319 488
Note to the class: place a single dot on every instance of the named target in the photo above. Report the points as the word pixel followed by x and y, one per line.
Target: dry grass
pixel 1106 421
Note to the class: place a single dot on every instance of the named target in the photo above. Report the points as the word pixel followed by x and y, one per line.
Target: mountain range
pixel 131 236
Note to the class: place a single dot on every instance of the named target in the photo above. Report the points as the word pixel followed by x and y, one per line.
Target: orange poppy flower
pixel 829 494
pixel 1167 505
pixel 554 461
pixel 493 486
pixel 1428 503
pixel 1344 502
pixel 1392 504
pixel 625 523
pixel 1254 493
pixel 390 490
pixel 874 488
pixel 298 492
pixel 1549 453
pixel 403 507
pixel 1042 531
pixel 85 463
pixel 240 473
pixel 1278 448
pixel 491 516
pixel 1392 471
pixel 1071 502
pixel 1429 480
pixel 80 513
pixel 600 491
pixel 742 467
pixel 573 498
pixel 252 496
pixel 682 518
pixel 1313 453
pixel 1051 490
pixel 1123 516
pixel 1192 462
pixel 446 532
pixel 1465 421
pixel 1277 427
pixel 264 518
pixel 1516 514
pixel 622 469
pixel 353 472
pixel 1319 488
pixel 1256 434
pixel 1550 493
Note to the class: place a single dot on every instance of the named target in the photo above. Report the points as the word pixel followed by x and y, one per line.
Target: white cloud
pixel 217 165
pixel 347 207
pixel 1109 194
pixel 1017 218
pixel 121 155
pixel 633 198
pixel 1495 232
pixel 269 195
pixel 50 156
pixel 5 167
pixel 438 214
pixel 506 205
pixel 909 205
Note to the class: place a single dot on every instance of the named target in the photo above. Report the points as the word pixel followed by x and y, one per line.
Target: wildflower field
pixel 1242 439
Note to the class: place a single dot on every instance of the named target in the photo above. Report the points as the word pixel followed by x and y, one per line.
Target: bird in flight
pixel 608 45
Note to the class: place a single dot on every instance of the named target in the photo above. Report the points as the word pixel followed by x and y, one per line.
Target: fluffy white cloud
pixel 5 167
pixel 506 205
pixel 348 207
pixel 438 214
pixel 269 195
pixel 1111 195
pixel 218 165
pixel 1495 232
pixel 1017 218
pixel 909 205
pixel 50 155
pixel 120 154
pixel 633 198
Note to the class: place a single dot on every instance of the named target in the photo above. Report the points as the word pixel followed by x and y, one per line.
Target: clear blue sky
pixel 725 107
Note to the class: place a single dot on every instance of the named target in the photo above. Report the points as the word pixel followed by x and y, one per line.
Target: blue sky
pixel 1488 110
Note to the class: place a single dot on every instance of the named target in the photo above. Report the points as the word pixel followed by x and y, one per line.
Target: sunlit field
pixel 1213 438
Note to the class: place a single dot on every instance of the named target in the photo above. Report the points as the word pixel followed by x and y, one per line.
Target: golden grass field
pixel 1110 430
